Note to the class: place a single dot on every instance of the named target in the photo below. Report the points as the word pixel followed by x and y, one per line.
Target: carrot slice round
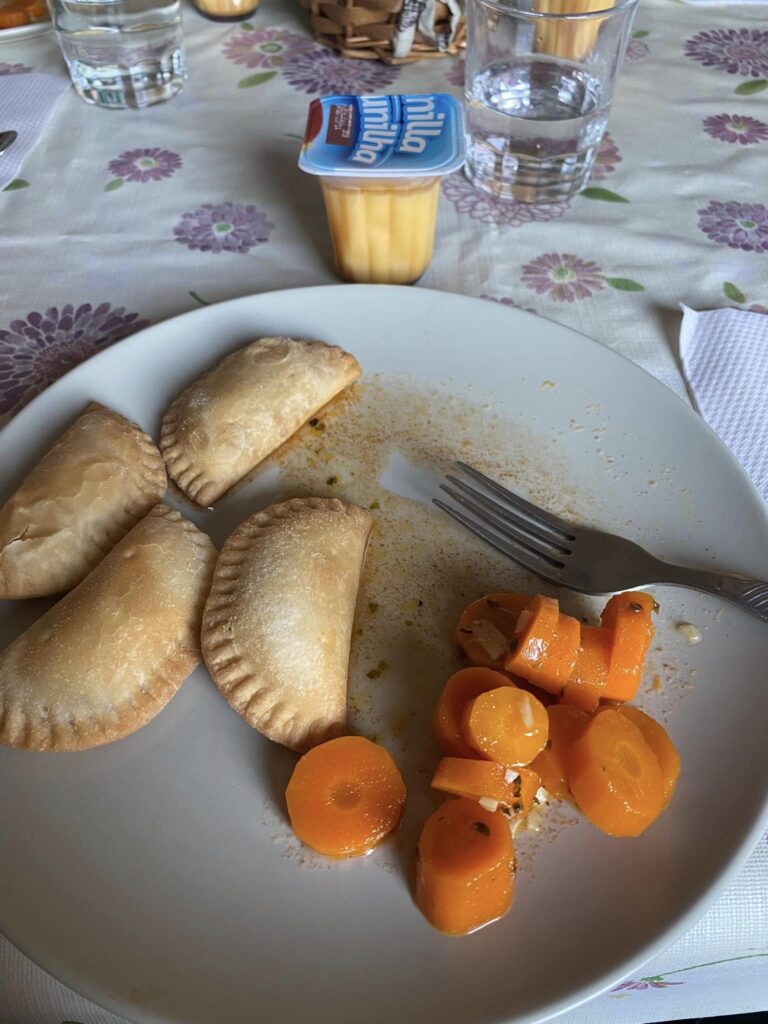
pixel 461 688
pixel 657 738
pixel 345 796
pixel 614 775
pixel 487 628
pixel 465 869
pixel 512 790
pixel 559 661
pixel 507 725
pixel 587 683
pixel 535 631
pixel 628 615
pixel 566 722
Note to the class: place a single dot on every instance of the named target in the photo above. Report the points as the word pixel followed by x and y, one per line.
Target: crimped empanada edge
pixel 223 661
pixel 45 735
pixel 204 492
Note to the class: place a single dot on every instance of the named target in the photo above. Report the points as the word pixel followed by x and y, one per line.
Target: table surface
pixel 97 243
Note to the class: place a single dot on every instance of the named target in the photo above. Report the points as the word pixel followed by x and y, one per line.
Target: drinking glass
pixel 538 89
pixel 122 53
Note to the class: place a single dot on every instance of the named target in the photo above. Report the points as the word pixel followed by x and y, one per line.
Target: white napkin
pixel 26 105
pixel 725 360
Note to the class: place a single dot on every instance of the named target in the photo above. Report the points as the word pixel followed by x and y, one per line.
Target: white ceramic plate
pixel 142 874
pixel 36 28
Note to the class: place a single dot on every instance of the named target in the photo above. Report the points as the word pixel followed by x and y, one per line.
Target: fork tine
pixel 531 562
pixel 548 519
pixel 508 533
pixel 509 516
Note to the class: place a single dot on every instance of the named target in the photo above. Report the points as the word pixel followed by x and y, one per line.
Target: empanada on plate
pixel 250 403
pixel 110 654
pixel 277 626
pixel 99 478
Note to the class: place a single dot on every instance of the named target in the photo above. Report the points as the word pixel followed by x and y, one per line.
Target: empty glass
pixel 538 90
pixel 122 53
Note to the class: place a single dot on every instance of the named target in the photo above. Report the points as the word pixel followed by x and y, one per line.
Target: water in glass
pixel 534 125
pixel 122 53
pixel 540 78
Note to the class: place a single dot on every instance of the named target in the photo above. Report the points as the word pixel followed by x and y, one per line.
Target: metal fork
pixel 579 557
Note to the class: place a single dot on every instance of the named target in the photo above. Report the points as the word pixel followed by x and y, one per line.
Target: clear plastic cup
pixel 380 160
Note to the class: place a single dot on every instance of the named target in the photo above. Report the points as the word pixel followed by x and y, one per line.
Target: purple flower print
pixel 737 51
pixel 145 164
pixel 736 128
pixel 757 308
pixel 455 72
pixel 563 276
pixel 608 156
pixel 323 71
pixel 505 301
pixel 265 47
pixel 645 983
pixel 739 225
pixel 36 351
pixel 14 69
pixel 489 210
pixel 223 227
pixel 637 49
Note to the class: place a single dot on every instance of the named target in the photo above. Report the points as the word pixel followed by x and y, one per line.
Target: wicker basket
pixel 366 29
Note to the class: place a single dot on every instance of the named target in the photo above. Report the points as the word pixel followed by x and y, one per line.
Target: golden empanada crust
pixel 98 479
pixel 106 658
pixel 230 419
pixel 277 626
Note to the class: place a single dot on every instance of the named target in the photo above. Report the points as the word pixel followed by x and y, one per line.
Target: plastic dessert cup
pixel 380 160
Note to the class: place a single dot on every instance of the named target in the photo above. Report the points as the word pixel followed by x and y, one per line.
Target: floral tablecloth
pixel 121 219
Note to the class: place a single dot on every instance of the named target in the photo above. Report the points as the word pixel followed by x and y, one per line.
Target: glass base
pixel 524 179
pixel 118 88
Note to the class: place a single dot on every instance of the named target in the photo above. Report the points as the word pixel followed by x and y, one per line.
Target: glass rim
pixel 509 7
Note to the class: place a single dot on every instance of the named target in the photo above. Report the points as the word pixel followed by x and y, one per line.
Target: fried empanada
pixel 99 478
pixel 250 403
pixel 277 625
pixel 110 654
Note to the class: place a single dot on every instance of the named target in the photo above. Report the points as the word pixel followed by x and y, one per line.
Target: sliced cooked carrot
pixel 461 688
pixel 657 738
pixel 465 869
pixel 10 18
pixel 534 633
pixel 487 627
pixel 345 796
pixel 507 725
pixel 628 615
pixel 557 665
pixel 587 683
pixel 614 775
pixel 544 696
pixel 565 723
pixel 509 790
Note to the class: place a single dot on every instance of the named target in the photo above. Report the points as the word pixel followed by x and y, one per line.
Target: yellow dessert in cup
pixel 380 160
pixel 383 231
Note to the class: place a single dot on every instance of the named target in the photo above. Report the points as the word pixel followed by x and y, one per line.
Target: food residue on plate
pixel 690 633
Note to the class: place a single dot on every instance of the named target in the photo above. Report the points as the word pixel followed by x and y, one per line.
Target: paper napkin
pixel 725 361
pixel 26 105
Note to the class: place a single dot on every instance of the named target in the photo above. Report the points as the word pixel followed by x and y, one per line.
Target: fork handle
pixel 744 591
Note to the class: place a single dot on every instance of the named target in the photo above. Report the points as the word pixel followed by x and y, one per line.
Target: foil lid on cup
pixel 385 136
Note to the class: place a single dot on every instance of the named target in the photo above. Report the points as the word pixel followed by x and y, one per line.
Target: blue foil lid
pixel 384 136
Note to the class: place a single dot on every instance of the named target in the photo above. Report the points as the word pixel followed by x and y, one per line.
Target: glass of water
pixel 122 53
pixel 538 89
